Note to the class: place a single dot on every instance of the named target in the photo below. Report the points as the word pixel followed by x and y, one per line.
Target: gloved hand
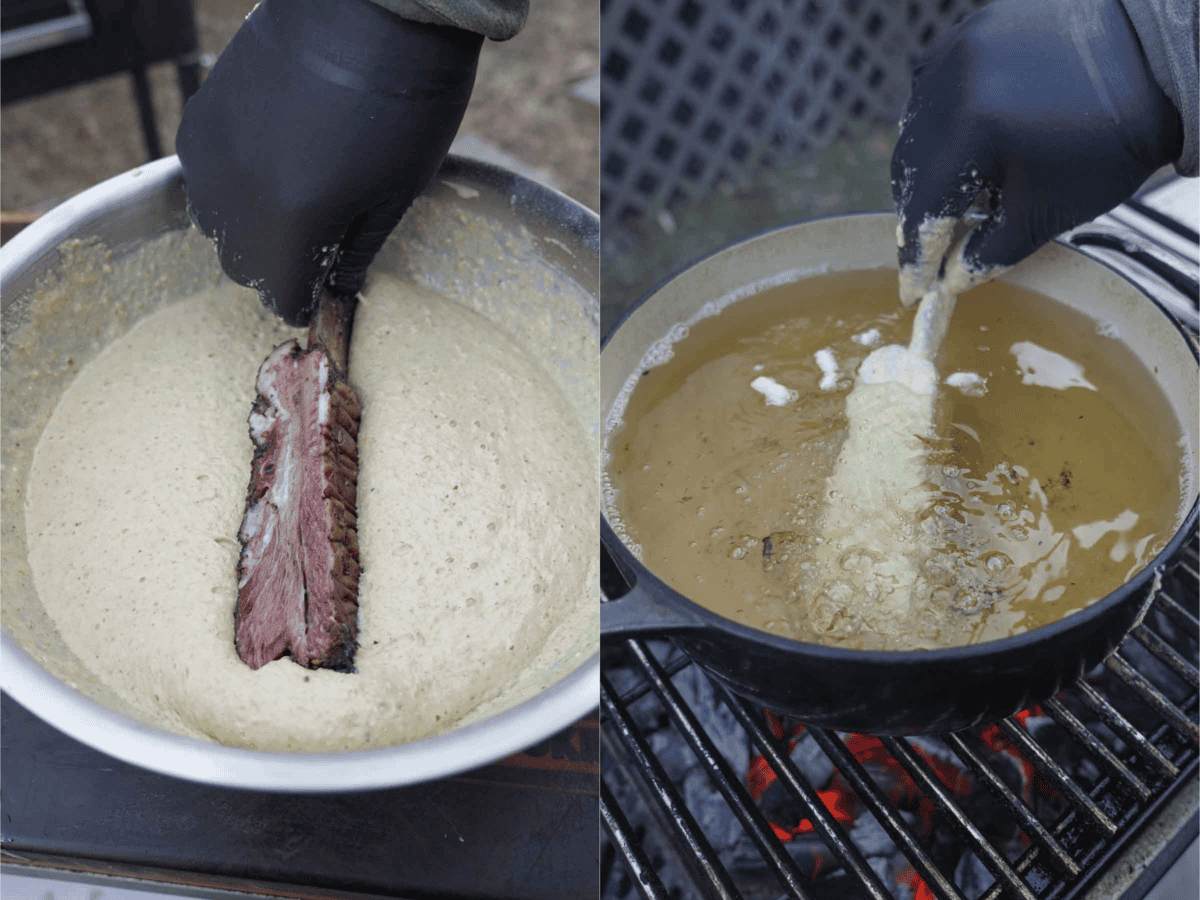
pixel 317 127
pixel 1029 118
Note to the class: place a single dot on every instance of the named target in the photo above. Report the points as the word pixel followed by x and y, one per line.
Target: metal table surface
pixel 525 828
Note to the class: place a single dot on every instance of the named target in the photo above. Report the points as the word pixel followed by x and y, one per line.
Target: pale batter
pixel 476 521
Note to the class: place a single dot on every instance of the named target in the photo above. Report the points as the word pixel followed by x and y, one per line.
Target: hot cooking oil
pixel 1054 473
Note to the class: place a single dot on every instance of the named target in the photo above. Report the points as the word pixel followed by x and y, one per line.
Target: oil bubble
pixel 968 602
pixel 997 561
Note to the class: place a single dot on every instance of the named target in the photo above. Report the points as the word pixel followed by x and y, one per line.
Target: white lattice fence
pixel 696 92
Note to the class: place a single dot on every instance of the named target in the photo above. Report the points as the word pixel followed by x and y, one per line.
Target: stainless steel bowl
pixel 531 226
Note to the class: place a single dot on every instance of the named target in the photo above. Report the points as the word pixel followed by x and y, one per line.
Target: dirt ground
pixel 523 106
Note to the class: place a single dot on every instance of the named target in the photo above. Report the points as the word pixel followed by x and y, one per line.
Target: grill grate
pixel 699 92
pixel 1108 754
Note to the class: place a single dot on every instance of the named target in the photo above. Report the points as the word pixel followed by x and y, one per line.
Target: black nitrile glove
pixel 317 127
pixel 1030 117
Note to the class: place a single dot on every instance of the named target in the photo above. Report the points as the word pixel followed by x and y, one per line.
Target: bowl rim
pixel 501 734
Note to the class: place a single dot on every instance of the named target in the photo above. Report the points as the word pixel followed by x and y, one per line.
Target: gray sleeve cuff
pixel 495 19
pixel 1168 31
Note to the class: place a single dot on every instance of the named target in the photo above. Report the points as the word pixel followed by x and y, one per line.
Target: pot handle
pixel 633 606
pixel 1142 254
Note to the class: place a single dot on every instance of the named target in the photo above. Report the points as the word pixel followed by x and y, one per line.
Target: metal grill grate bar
pixel 1122 727
pixel 1024 815
pixel 1027 861
pixel 790 777
pixel 642 688
pixel 1066 719
pixel 1093 818
pixel 982 848
pixel 1119 666
pixel 1167 654
pixel 885 813
pixel 1021 866
pixel 1181 617
pixel 665 794
pixel 622 835
pixel 1052 770
pixel 724 777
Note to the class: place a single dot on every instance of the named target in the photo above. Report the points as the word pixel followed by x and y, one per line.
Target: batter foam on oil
pixel 1052 478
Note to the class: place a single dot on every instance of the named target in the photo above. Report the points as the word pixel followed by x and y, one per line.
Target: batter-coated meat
pixel 298 571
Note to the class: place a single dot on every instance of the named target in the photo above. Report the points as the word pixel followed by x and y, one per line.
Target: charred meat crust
pixel 299 567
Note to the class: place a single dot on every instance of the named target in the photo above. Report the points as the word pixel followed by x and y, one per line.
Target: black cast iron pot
pixel 881 692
